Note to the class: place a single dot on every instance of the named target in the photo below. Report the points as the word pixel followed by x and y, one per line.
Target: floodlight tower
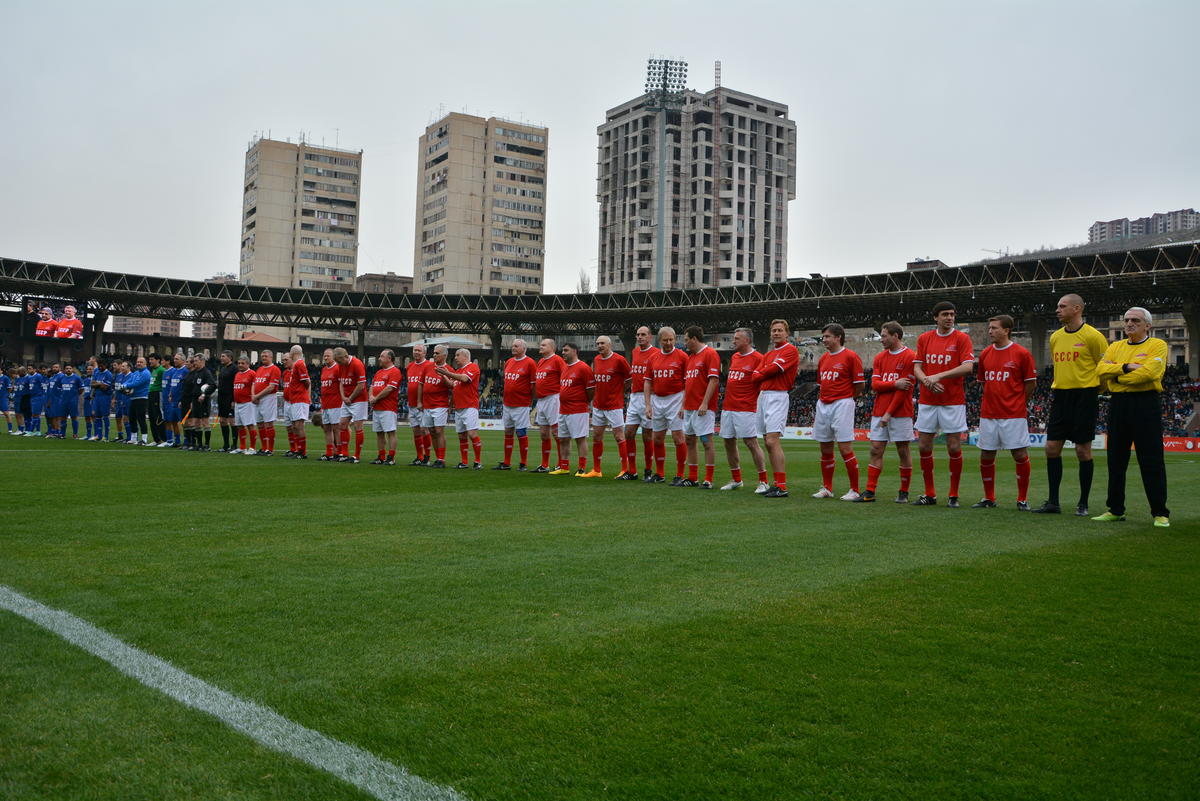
pixel 665 82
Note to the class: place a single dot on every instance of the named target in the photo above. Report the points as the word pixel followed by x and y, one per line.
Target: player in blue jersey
pixel 172 395
pixel 39 385
pixel 102 395
pixel 7 380
pixel 121 400
pixel 70 387
pixel 21 399
pixel 88 370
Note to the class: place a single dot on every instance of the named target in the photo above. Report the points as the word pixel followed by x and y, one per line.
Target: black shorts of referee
pixel 201 409
pixel 1073 415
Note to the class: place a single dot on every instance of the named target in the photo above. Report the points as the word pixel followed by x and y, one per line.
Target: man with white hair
pixel 331 406
pixel 245 416
pixel 610 372
pixel 464 380
pixel 663 395
pixel 519 384
pixel 1132 370
pixel 548 377
pixel 435 401
pixel 384 398
pixel 297 393
pixel 638 415
pixel 70 326
pixel 267 379
pixel 414 380
pixel 739 413
pixel 352 383
pixel 1075 351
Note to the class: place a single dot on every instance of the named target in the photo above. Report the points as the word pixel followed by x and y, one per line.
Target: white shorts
pixel 772 411
pixel 356 412
pixel 898 429
pixel 244 414
pixel 699 425
pixel 739 425
pixel 612 418
pixel 331 417
pixel 573 426
pixel 666 412
pixel 947 419
pixel 297 411
pixel 434 418
pixel 637 414
pixel 383 422
pixel 268 409
pixel 466 420
pixel 415 417
pixel 515 417
pixel 546 412
pixel 834 421
pixel 1003 434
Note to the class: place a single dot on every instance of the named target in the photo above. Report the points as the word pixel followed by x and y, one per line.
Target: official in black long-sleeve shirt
pixel 225 398
pixel 199 387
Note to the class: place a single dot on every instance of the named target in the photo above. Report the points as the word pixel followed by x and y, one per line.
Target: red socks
pixel 987 470
pixel 735 473
pixel 651 455
pixel 419 446
pixel 545 453
pixel 762 476
pixel 708 473
pixel 660 457
pixel 462 450
pixel 927 472
pixel 523 443
pixel 1023 469
pixel 905 478
pixel 242 439
pixel 253 438
pixel 441 454
pixel 693 472
pixel 358 441
pixel 827 471
pixel 597 454
pixel 852 470
pixel 781 481
pixel 873 477
pixel 477 446
pixel 955 474
pixel 680 459
pixel 508 446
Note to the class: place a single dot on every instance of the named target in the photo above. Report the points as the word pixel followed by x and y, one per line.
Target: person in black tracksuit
pixel 225 376
pixel 198 388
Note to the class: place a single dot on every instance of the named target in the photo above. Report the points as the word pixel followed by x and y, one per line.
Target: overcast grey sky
pixel 925 129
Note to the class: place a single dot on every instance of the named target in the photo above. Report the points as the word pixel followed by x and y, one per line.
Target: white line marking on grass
pixel 369 773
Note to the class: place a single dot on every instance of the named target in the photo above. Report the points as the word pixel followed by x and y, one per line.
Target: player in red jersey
pixel 352 383
pixel 464 380
pixel 285 375
pixel 520 378
pixel 47 325
pixel 547 377
pixel 1009 378
pixel 384 397
pixel 414 379
pixel 265 396
pixel 841 380
pixel 892 380
pixel 69 327
pixel 700 385
pixel 577 387
pixel 739 414
pixel 663 395
pixel 244 413
pixel 774 377
pixel 331 405
pixel 296 396
pixel 611 374
pixel 435 401
pixel 638 414
pixel 945 357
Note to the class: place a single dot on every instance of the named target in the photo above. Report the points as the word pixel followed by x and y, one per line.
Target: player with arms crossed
pixel 435 405
pixel 945 357
pixel 517 396
pixel 663 395
pixel 700 385
pixel 739 414
pixel 638 414
pixel 464 382
pixel 774 377
pixel 1075 350
pixel 1009 378
pixel 384 398
pixel 892 381
pixel 841 380
pixel 610 372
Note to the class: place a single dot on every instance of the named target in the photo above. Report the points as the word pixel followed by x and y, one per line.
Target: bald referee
pixel 1076 350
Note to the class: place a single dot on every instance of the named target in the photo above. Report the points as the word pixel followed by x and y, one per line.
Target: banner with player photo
pixel 44 319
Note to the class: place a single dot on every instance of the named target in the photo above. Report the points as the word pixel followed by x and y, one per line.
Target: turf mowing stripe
pixel 382 779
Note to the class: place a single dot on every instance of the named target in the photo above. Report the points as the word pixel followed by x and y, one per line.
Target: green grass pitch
pixel 520 636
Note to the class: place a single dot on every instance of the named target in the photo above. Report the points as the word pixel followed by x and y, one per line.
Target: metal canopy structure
pixel 1160 277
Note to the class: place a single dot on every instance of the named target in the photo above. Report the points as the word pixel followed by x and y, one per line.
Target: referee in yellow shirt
pixel 1075 351
pixel 1132 370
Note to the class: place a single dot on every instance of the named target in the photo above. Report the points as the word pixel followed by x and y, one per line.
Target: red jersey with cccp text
pixel 702 365
pixel 437 390
pixel 572 394
pixel 242 385
pixel 667 371
pixel 387 377
pixel 610 375
pixel 466 393
pixel 296 390
pixel 937 353
pixel 741 393
pixel 518 382
pixel 837 373
pixel 266 375
pixel 887 369
pixel 331 394
pixel 69 329
pixel 777 371
pixel 639 365
pixel 549 374
pixel 350 375
pixel 1005 373
pixel 414 378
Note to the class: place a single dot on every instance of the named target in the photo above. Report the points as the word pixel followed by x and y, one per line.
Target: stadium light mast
pixel 665 82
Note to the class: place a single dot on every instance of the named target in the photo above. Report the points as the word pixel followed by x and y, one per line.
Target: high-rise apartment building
pixel 300 215
pixel 1159 223
pixel 730 172
pixel 481 207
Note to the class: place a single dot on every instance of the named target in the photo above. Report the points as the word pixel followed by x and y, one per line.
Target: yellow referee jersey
pixel 1075 355
pixel 1150 353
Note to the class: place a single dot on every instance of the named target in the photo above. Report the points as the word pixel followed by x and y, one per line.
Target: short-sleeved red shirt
pixel 549 373
pixel 331 394
pixel 937 353
pixel 886 370
pixel 572 394
pixel 1005 373
pixel 387 377
pixel 296 390
pixel 437 390
pixel 610 375
pixel 778 368
pixel 466 393
pixel 741 393
pixel 414 378
pixel 267 375
pixel 639 365
pixel 837 373
pixel 350 375
pixel 519 381
pixel 243 383
pixel 69 329
pixel 702 365
pixel 667 371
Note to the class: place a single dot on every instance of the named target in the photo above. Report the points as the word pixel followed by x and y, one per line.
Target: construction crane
pixel 1001 253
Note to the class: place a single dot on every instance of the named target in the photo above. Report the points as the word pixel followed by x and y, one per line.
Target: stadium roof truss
pixel 1164 277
